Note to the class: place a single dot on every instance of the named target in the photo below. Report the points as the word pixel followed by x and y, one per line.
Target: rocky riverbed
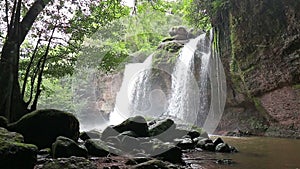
pixel 49 139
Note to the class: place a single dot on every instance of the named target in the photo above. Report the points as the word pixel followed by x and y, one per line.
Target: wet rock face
pixel 283 105
pixel 260 51
pixel 107 87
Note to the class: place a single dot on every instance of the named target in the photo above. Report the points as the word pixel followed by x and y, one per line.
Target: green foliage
pixel 57 94
pixel 196 12
pixel 257 125
pixel 149 26
pixel 115 43
pixel 112 60
pixel 84 24
pixel 297 86
pixel 200 12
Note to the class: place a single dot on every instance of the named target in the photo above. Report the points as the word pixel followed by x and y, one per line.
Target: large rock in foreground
pixel 42 127
pixel 15 154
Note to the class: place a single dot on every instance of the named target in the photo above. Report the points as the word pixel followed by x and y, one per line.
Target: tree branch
pixel 28 68
pixel 40 76
pixel 10 28
pixel 30 17
pixel 6 13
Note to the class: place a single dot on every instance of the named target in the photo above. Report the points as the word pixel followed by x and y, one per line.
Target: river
pixel 254 153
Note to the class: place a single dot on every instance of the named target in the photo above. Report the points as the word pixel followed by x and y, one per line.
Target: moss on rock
pixel 14 153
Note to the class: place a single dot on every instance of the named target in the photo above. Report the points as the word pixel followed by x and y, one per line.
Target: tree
pixel 128 39
pixel 12 105
pixel 51 51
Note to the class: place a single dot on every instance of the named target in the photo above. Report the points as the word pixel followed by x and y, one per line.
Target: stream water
pixel 254 153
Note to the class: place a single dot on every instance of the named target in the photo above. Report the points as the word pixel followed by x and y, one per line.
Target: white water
pixel 133 93
pixel 188 102
pixel 184 102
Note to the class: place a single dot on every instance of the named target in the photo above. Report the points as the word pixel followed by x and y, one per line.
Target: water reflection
pixel 255 153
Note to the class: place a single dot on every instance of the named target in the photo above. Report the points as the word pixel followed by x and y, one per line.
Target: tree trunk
pixel 12 105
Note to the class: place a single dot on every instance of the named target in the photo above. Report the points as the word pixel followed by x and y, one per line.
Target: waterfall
pixel 191 101
pixel 187 94
pixel 132 99
pixel 140 89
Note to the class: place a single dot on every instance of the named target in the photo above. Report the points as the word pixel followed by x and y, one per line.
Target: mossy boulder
pixel 42 127
pixel 65 147
pixel 165 130
pixel 14 153
pixel 10 136
pixel 137 124
pixel 161 126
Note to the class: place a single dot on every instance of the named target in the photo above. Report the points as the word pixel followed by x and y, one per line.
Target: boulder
pixel 137 124
pixel 201 143
pixel 185 143
pixel 200 130
pixel 209 147
pixel 96 147
pixel 223 148
pixel 171 46
pixel 14 153
pixel 65 147
pixel 217 141
pixel 194 134
pixel 129 143
pixel 167 152
pixel 179 33
pixel 5 135
pixel 163 130
pixel 42 127
pixel 109 131
pixel 197 139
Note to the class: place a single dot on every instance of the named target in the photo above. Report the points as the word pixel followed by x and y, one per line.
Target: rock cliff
pixel 259 43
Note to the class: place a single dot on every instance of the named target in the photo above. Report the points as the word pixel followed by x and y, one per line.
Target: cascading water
pixel 132 97
pixel 184 102
pixel 188 102
pixel 204 52
pixel 140 89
